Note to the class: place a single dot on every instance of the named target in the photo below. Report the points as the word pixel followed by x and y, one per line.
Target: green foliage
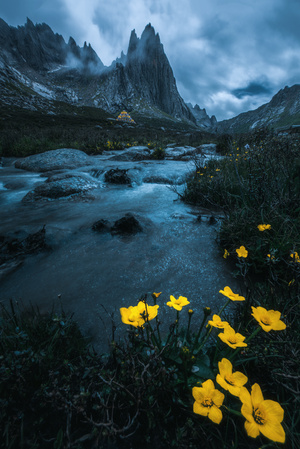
pixel 87 129
pixel 224 143
pixel 158 153
pixel 55 391
pixel 255 185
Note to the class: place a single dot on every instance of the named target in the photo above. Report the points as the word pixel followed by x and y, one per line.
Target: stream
pixel 94 274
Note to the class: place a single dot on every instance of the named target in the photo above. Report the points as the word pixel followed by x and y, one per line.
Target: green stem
pixel 199 332
pixel 153 336
pixel 224 307
pixel 253 334
pixel 234 412
pixel 187 335
pixel 246 341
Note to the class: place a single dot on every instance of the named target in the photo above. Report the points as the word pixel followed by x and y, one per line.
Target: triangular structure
pixel 125 117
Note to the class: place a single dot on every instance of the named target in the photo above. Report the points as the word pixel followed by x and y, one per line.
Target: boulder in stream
pixel 138 153
pixel 64 158
pixel 127 225
pixel 66 185
pixel 15 246
pixel 117 176
pixel 101 226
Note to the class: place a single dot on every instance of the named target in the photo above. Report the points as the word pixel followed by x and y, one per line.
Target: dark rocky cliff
pixel 202 118
pixel 40 49
pixel 142 80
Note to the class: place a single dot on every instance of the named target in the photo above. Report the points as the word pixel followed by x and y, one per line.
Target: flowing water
pixel 94 274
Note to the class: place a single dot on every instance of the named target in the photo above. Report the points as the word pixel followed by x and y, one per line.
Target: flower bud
pixel 207 311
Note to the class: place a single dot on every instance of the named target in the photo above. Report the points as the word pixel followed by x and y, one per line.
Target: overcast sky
pixel 229 56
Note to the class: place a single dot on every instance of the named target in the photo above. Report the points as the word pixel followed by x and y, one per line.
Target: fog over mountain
pixel 34 57
pixel 227 57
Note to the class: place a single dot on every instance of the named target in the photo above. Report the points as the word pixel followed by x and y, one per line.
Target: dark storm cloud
pixel 253 89
pixel 15 12
pixel 228 56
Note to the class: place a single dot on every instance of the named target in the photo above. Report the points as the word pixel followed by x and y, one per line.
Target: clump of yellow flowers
pixel 261 415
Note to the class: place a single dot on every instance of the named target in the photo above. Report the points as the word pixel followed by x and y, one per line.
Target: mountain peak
pixel 149 38
pixel 29 24
pixel 133 43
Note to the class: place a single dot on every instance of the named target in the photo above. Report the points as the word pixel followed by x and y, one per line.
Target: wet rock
pixel 62 186
pixel 65 158
pixel 138 153
pixel 117 176
pixel 14 247
pixel 177 153
pixel 126 225
pixel 101 226
pixel 208 148
pixel 158 179
pixel 212 220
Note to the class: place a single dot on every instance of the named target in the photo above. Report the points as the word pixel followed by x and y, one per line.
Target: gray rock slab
pixel 62 186
pixel 64 158
pixel 179 152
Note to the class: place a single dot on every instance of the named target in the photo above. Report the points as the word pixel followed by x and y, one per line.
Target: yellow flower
pixel 295 256
pixel 262 416
pixel 271 257
pixel 226 254
pixel 228 380
pixel 242 252
pixel 232 338
pixel 208 401
pixel 138 315
pixel 268 319
pixel 218 169
pixel 217 322
pixel 263 227
pixel 156 294
pixel 233 296
pixel 131 316
pixel 147 313
pixel 178 303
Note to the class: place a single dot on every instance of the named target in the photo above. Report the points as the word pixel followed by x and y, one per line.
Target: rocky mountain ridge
pixel 37 68
pixel 202 118
pixel 282 111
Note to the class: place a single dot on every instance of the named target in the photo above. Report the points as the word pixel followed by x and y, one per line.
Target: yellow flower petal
pixel 179 303
pixel 217 322
pixel 215 414
pixel 156 294
pixel 274 410
pixel 217 397
pixel 247 411
pixel 233 296
pixel 239 379
pixel 225 367
pixel 256 395
pixel 274 431
pixel 242 252
pixel 200 409
pixel 263 227
pixel 268 319
pixel 252 429
pixel 232 338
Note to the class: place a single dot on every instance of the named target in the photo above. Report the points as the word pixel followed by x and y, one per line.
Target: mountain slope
pixel 37 68
pixel 282 110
